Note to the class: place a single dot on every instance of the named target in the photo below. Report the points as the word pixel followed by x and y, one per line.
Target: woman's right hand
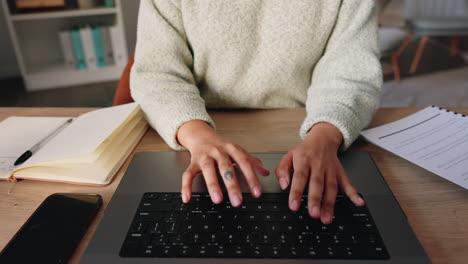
pixel 211 153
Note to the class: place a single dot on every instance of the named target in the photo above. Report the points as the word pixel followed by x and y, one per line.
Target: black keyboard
pixel 261 228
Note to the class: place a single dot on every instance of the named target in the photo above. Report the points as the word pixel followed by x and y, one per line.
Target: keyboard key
pixel 238 228
pixel 246 239
pixel 150 195
pixel 372 252
pixel 288 228
pixel 165 251
pixel 217 251
pixel 149 216
pixel 310 252
pixel 158 239
pixel 256 228
pixel 176 239
pixel 208 228
pixel 284 217
pixel 230 218
pixel 198 238
pixel 249 217
pixel 140 227
pixel 189 228
pixel 183 251
pixel 149 252
pixel 267 217
pixel 256 252
pixel 274 251
pixel 138 238
pixel 287 238
pixel 272 227
pixel 217 238
pixel 248 207
pixel 165 198
pixel 264 238
pixel 301 217
pixel 237 251
pixel 276 207
pixel 171 217
pixel 328 252
pixel 296 252
pixel 367 239
pixel 259 207
pixel 232 239
pixel 171 227
pixel 162 207
pixel 200 251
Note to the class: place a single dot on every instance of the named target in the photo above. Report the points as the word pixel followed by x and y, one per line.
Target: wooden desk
pixel 436 209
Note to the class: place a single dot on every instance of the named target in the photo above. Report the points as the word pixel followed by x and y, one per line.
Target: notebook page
pixel 122 131
pixel 433 138
pixel 84 135
pixel 99 172
pixel 20 133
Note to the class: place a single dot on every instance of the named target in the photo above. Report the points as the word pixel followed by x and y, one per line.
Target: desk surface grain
pixel 437 209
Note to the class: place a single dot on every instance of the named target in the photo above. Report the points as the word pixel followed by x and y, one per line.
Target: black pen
pixel 26 155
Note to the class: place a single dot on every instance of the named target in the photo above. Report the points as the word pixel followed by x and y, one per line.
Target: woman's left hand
pixel 315 161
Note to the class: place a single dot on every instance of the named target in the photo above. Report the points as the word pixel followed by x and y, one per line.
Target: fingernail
pixel 256 191
pixel 265 172
pixel 294 205
pixel 283 183
pixel 185 197
pixel 217 198
pixel 236 200
pixel 326 218
pixel 316 212
pixel 360 201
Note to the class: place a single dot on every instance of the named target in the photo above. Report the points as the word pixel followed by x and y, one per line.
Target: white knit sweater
pixel 198 54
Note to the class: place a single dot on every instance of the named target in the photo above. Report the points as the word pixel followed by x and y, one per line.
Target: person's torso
pixel 254 53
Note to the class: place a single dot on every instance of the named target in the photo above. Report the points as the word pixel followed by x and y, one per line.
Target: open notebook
pixel 88 151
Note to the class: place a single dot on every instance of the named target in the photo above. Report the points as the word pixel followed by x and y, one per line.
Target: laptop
pixel 146 221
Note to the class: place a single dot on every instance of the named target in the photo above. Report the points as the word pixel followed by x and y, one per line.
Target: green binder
pixel 109 3
pixel 78 51
pixel 99 50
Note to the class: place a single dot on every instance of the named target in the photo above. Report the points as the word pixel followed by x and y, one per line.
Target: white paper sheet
pixel 19 133
pixel 433 138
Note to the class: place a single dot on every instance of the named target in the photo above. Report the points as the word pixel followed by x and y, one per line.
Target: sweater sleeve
pixel 161 79
pixel 347 80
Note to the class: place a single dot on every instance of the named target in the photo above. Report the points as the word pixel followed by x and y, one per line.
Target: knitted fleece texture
pixel 198 54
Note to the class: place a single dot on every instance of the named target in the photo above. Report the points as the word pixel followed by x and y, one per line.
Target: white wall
pixel 130 17
pixel 8 64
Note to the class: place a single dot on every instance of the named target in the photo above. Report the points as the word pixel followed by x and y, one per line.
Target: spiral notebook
pixel 434 138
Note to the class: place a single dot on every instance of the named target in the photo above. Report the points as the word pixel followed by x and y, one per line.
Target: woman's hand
pixel 315 161
pixel 209 153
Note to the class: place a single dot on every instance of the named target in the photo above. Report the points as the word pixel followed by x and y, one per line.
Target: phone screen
pixel 51 234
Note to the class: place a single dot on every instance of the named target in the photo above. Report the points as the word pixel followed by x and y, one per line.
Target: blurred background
pixel 73 53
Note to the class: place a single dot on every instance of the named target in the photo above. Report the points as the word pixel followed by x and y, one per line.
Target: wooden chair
pixel 432 18
pixel 122 94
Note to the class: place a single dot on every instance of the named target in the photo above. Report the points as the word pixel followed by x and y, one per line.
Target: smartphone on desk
pixel 54 230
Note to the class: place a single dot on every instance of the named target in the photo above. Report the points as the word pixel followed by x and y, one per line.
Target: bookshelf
pixel 65 13
pixel 37 46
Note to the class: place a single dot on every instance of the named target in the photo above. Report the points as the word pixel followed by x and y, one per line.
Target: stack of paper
pixel 433 138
